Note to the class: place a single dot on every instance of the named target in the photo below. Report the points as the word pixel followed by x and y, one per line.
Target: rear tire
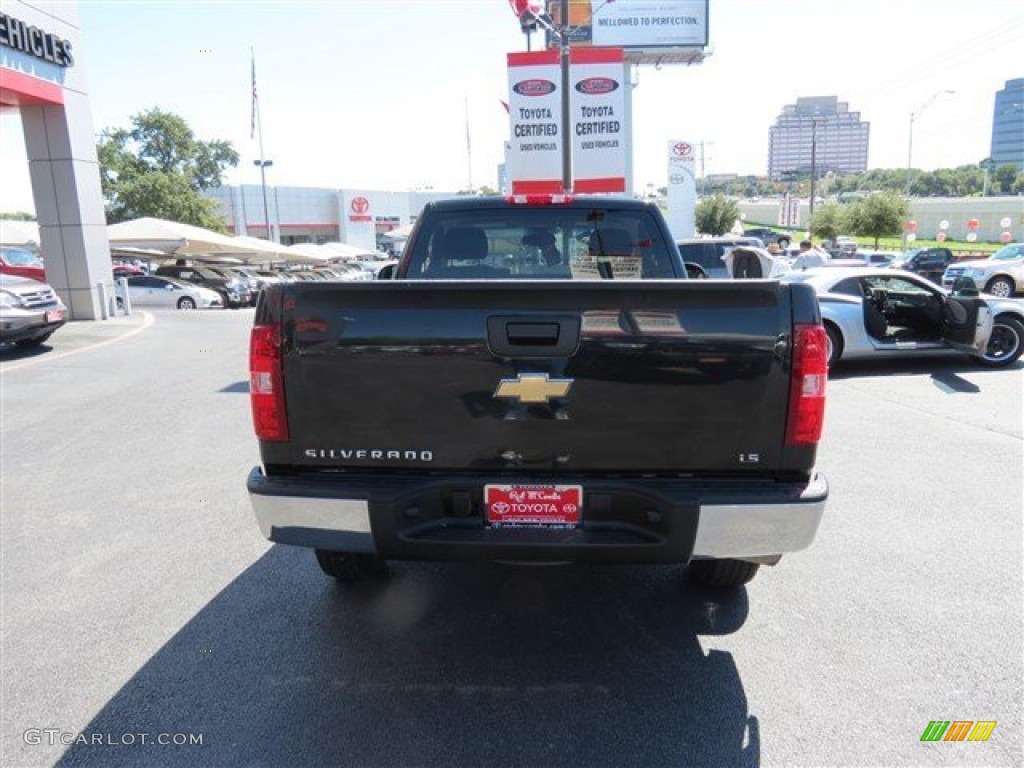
pixel 350 566
pixel 784 242
pixel 722 573
pixel 1001 287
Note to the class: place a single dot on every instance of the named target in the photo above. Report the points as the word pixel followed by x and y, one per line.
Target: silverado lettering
pixel 343 453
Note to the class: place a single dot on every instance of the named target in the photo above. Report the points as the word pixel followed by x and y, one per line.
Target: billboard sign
pixel 648 30
pixel 534 159
pixel 598 110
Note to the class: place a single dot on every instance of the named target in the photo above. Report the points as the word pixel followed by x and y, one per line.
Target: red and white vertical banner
pixel 534 162
pixel 682 189
pixel 789 211
pixel 597 106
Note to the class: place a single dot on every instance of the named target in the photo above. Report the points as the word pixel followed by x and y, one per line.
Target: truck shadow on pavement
pixel 442 665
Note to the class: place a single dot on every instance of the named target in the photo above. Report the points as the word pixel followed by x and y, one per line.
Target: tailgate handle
pixel 533 336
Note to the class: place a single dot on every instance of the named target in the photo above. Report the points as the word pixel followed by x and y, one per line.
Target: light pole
pixel 814 167
pixel 263 165
pixel 910 142
pixel 563 60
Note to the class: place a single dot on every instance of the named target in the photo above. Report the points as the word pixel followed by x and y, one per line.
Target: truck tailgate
pixel 553 377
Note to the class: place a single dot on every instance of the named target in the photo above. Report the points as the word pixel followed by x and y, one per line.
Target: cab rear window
pixel 541 243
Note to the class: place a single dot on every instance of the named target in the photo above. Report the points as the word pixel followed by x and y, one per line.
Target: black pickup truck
pixel 539 382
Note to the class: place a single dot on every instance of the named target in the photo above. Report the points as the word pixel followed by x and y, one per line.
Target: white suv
pixel 1001 274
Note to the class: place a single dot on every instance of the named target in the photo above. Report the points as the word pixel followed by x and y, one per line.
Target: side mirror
pixel 171 287
pixel 965 288
pixel 387 273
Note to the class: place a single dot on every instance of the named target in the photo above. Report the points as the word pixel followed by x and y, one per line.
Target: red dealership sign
pixel 360 208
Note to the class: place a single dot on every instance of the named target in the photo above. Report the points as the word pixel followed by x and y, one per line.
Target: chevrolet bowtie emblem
pixel 533 388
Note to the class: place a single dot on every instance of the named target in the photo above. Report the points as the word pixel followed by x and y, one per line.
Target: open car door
pixel 966 323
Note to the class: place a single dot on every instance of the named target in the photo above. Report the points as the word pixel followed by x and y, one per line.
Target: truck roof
pixel 574 201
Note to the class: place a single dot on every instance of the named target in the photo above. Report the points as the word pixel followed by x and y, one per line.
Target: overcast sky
pixel 375 94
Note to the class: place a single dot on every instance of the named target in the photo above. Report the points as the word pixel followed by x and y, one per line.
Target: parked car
pixel 359 270
pixel 271 276
pixel 876 312
pixel 30 311
pixel 769 236
pixel 21 262
pixel 156 291
pixel 123 269
pixel 1001 274
pixel 846 245
pixel 307 276
pixel 861 259
pixel 257 277
pixel 707 253
pixel 873 258
pixel 927 262
pixel 251 284
pixel 370 270
pixel 233 291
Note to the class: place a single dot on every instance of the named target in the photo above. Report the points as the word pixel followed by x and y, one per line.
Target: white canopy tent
pixel 171 237
pixel 265 251
pixel 399 233
pixel 311 253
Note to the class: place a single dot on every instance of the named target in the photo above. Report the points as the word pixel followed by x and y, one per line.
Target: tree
pixel 878 216
pixel 716 215
pixel 1004 177
pixel 829 221
pixel 158 168
pixel 1018 184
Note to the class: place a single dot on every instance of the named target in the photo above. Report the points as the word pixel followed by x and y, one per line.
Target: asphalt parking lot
pixel 139 598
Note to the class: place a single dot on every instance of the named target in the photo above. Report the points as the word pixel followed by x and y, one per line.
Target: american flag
pixel 252 129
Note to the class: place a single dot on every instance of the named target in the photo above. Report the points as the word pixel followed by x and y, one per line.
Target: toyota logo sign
pixel 360 205
pixel 682 149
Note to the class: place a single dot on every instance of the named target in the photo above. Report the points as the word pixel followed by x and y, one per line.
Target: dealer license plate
pixel 54 315
pixel 538 505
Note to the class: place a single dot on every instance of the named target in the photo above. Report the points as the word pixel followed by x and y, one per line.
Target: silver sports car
pixel 876 312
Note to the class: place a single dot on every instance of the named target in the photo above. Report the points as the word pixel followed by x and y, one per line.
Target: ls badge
pixel 533 388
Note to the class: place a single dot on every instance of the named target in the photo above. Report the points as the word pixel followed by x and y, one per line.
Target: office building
pixel 1008 125
pixel 839 139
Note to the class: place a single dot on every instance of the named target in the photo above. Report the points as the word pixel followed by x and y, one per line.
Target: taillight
pixel 539 199
pixel 266 383
pixel 807 385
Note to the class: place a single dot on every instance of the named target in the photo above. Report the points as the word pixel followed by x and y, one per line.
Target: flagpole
pixel 258 126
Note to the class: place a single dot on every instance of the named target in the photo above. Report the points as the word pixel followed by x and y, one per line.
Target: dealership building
pixel 358 217
pixel 41 76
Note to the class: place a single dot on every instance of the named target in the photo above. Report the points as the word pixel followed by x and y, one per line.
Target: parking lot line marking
pixel 148 320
